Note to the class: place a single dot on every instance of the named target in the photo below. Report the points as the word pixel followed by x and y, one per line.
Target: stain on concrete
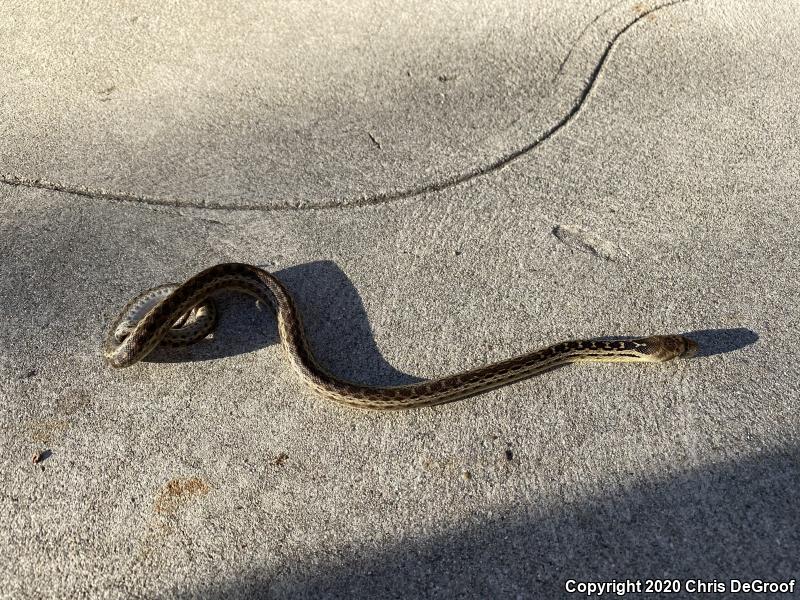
pixel 177 493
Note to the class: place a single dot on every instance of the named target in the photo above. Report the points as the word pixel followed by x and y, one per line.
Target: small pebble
pixel 280 459
pixel 39 456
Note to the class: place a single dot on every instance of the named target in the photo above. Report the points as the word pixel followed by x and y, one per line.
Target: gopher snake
pixel 160 315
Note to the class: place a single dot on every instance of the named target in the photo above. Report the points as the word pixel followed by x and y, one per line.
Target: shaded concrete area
pixel 735 520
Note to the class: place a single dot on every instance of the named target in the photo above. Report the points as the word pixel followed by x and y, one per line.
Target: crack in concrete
pixel 380 198
pixel 580 37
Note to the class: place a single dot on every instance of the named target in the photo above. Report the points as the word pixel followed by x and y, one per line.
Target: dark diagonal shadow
pixel 334 319
pixel 733 520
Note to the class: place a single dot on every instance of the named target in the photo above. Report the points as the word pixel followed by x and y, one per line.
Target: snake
pixel 183 314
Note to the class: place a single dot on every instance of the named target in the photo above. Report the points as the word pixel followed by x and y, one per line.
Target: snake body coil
pixel 160 315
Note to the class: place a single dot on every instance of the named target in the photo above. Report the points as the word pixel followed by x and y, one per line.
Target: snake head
pixel 661 348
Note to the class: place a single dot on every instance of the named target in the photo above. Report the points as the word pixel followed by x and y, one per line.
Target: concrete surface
pixel 570 171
